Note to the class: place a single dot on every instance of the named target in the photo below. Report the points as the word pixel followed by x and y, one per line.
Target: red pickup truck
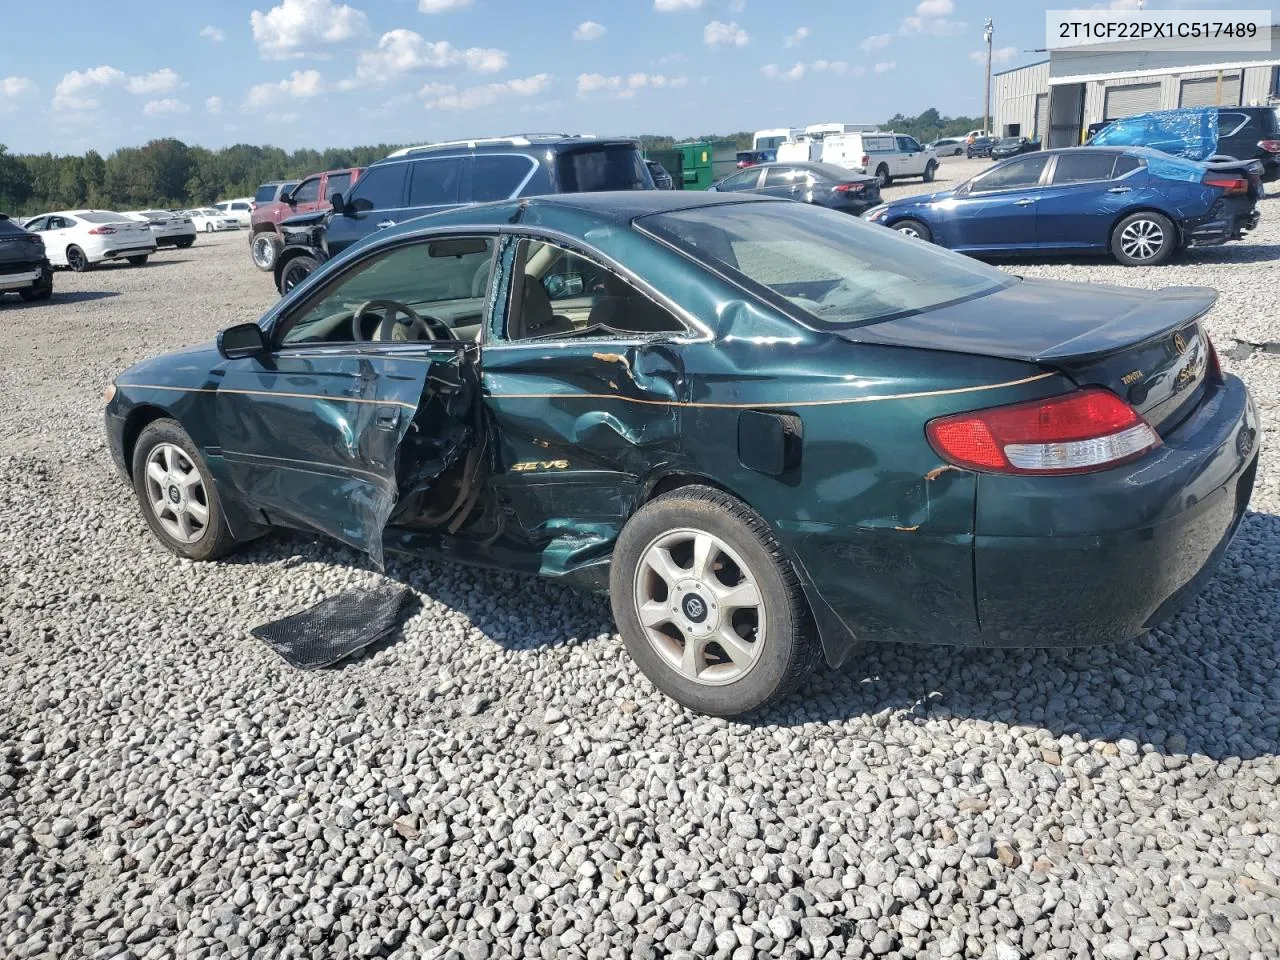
pixel 311 194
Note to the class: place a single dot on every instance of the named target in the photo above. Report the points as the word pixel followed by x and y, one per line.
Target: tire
pixel 1144 239
pixel 777 644
pixel 914 228
pixel 295 271
pixel 160 441
pixel 264 249
pixel 77 262
pixel 968 154
pixel 208 228
pixel 42 289
pixel 930 170
pixel 140 260
pixel 184 243
pixel 882 176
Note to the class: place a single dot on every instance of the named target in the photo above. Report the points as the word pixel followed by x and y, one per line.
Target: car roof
pixel 517 142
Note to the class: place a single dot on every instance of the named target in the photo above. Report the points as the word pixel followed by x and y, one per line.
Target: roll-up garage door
pixel 1203 91
pixel 1134 98
pixel 1042 116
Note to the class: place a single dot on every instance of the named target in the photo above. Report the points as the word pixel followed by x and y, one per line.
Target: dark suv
pixel 1242 133
pixel 420 180
pixel 24 268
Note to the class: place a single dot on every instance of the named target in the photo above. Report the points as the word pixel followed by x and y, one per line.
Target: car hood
pixel 187 367
pixel 1042 320
pixel 305 219
pixel 920 199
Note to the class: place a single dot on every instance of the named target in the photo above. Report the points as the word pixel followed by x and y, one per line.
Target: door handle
pixel 1024 202
pixel 383 224
pixel 387 418
pixel 1119 189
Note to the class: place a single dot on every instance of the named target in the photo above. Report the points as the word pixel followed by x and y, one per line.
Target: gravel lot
pixel 501 781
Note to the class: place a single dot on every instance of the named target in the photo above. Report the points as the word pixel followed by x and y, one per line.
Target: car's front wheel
pixel 186 242
pixel 914 228
pixel 295 271
pixel 175 488
pixel 708 605
pixel 139 261
pixel 1144 239
pixel 265 248
pixel 208 228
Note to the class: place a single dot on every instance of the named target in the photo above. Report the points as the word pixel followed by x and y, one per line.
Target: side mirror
pixel 242 340
pixel 713 189
pixel 335 200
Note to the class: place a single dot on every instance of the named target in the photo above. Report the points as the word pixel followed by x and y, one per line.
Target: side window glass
pixel 443 280
pixel 337 183
pixel 908 145
pixel 1021 173
pixel 779 176
pixel 381 188
pixel 1125 165
pixel 740 181
pixel 308 191
pixel 1084 166
pixel 497 177
pixel 557 293
pixel 434 182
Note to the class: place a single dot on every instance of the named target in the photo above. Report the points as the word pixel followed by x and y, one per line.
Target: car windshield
pixel 603 168
pixel 209 212
pixel 1011 141
pixel 837 269
pixel 101 216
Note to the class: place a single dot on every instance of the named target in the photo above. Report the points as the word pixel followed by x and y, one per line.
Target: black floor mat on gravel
pixel 335 628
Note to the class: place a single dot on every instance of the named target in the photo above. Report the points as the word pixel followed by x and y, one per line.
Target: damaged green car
pixel 769 430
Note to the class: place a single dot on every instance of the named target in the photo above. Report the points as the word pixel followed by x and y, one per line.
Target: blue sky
pixel 320 73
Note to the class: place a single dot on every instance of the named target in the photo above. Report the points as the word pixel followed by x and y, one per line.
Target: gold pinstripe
pixel 270 393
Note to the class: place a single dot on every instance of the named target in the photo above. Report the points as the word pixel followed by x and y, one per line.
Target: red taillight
pixel 1229 184
pixel 99 231
pixel 1213 371
pixel 1079 432
pixel 866 160
pixel 1271 146
pixel 848 187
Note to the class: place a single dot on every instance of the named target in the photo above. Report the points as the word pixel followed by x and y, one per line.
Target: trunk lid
pixel 1145 346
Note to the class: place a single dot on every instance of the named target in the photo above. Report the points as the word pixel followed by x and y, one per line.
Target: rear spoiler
pixel 1242 166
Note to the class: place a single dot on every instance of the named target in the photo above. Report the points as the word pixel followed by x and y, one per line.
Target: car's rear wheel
pixel 708 605
pixel 265 248
pixel 139 260
pixel 42 289
pixel 295 271
pixel 882 176
pixel 1144 239
pixel 914 228
pixel 186 242
pixel 174 487
pixel 76 259
pixel 208 228
pixel 930 169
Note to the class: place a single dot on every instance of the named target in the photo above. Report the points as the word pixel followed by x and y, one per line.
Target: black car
pixel 1013 146
pixel 428 179
pixel 661 179
pixel 824 184
pixel 24 268
pixel 979 147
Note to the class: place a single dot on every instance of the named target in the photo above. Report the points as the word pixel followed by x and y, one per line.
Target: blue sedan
pixel 1139 204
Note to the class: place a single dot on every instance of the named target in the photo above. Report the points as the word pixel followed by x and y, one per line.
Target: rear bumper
pixel 127 252
pixel 26 277
pixel 1074 561
pixel 1220 227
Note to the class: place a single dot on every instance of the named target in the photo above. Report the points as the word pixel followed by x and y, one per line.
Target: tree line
pixel 170 174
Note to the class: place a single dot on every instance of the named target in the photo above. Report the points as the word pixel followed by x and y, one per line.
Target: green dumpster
pixel 695 165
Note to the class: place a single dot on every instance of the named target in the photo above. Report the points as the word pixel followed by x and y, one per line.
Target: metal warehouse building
pixel 1057 99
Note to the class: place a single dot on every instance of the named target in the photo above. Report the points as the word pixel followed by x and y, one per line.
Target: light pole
pixel 986 90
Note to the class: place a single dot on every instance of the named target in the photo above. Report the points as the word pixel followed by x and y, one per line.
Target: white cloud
pixel 774 72
pixel 154 108
pixel 999 56
pixel 300 85
pixel 885 66
pixel 589 30
pixel 214 34
pixel 162 81
pixel 672 6
pixel 442 6
pixel 17 88
pixel 839 67
pixel 794 39
pixel 1119 5
pixel 213 104
pixel 737 6
pixel 404 51
pixel 877 41
pixel 299 28
pixel 931 17
pixel 623 88
pixel 717 34
pixel 443 97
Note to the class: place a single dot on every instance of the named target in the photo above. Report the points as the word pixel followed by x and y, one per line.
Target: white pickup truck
pixel 884 156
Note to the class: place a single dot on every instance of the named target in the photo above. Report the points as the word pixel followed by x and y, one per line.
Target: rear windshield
pixel 838 270
pixel 9 228
pixel 829 171
pixel 102 216
pixel 603 168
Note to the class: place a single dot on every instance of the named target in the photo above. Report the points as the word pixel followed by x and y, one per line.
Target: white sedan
pixel 81 238
pixel 169 229
pixel 210 220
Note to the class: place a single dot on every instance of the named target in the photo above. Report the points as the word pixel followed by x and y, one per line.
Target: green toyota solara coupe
pixel 770 430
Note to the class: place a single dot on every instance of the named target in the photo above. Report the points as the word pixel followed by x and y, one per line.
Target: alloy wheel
pixel 908 231
pixel 263 254
pixel 177 493
pixel 700 606
pixel 1141 239
pixel 76 260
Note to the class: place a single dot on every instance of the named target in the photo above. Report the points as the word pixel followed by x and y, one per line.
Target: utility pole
pixel 986 90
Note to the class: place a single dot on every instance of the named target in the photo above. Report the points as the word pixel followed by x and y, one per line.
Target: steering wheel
pixel 414 326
